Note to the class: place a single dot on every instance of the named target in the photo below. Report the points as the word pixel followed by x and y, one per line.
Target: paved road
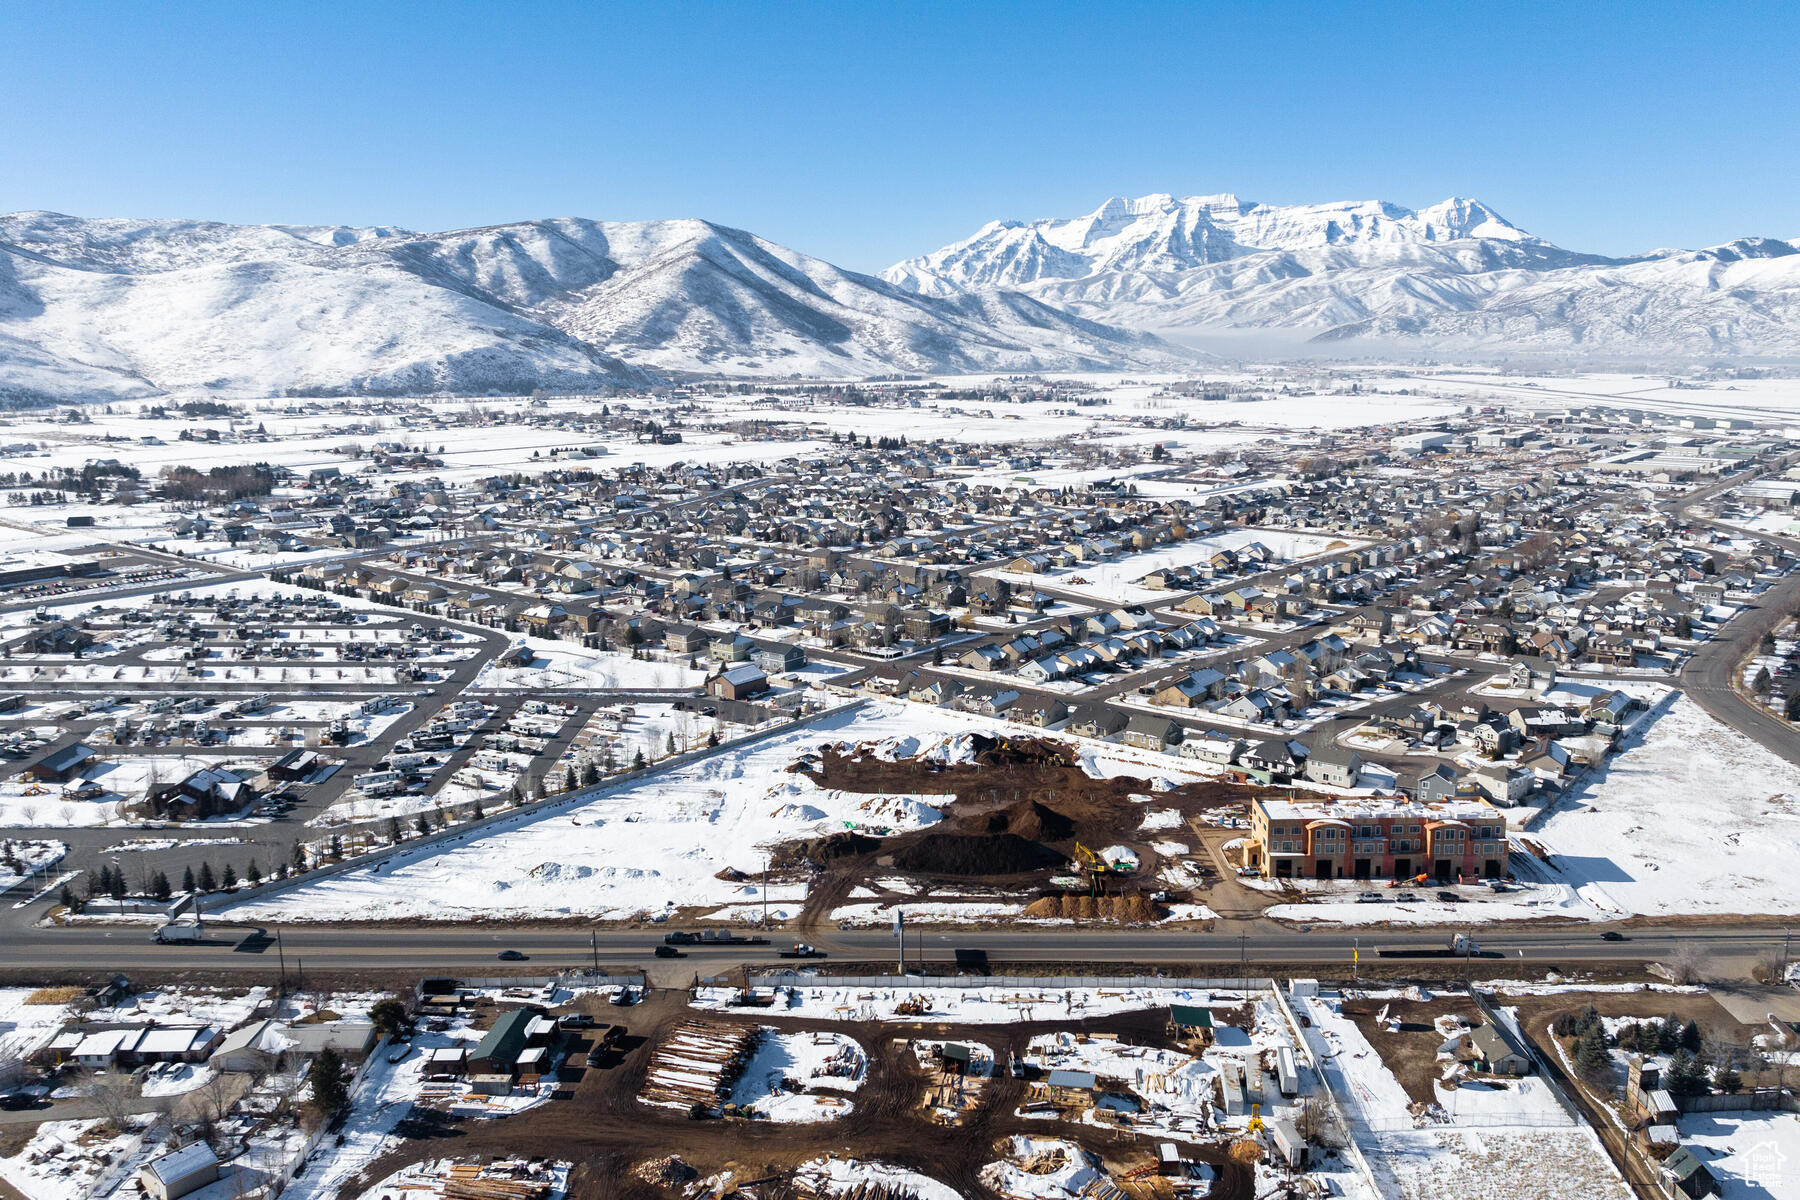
pixel 463 947
pixel 1708 676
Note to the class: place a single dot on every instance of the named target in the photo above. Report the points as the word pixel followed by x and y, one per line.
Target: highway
pixel 467 948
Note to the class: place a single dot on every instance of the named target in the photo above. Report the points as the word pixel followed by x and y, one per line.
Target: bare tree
pixel 114 1097
pixel 219 1094
pixel 1689 964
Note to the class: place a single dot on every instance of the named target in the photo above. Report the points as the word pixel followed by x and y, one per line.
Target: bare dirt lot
pixel 1019 811
pixel 605 1129
pixel 1410 1051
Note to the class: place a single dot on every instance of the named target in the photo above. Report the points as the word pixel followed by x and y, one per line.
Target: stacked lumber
pixel 698 1063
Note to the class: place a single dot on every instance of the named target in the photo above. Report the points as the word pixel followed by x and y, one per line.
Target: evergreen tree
pixel 477 812
pixel 422 823
pixel 96 882
pixel 1686 1076
pixel 1725 1078
pixel 393 829
pixel 1690 1037
pixel 253 873
pixel 159 887
pixel 208 882
pixel 388 1016
pixel 1591 1058
pixel 638 761
pixel 569 778
pixel 67 899
pixel 337 846
pixel 1668 1034
pixel 230 880
pixel 297 859
pixel 115 885
pixel 590 774
pixel 329 1092
pixel 187 880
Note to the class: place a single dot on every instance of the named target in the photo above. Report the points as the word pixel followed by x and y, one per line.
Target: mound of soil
pixel 1022 752
pixel 833 845
pixel 1032 821
pixel 955 854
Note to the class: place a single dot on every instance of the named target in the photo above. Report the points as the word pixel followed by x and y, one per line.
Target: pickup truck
pixel 801 950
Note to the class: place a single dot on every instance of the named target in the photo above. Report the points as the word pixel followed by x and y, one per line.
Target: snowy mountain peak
pixel 1161 232
pixel 1452 274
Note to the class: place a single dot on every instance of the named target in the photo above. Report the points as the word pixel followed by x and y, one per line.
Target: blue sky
pixel 863 133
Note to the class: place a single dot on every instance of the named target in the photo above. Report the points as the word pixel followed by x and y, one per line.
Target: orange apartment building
pixel 1453 840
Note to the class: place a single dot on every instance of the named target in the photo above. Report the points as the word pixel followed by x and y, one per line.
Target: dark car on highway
pixel 511 956
pixel 667 952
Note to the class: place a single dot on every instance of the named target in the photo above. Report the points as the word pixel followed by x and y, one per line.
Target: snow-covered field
pixel 1504 1143
pixel 1753 1155
pixel 562 665
pixel 1692 817
pixel 27 1028
pixel 781 1082
pixel 70 1160
pixel 837 1176
pixel 649 847
pixel 1116 581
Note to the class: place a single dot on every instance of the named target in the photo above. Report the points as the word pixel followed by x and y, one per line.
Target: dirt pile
pixel 957 854
pixel 1135 909
pixel 1022 752
pixel 1032 821
pixel 825 849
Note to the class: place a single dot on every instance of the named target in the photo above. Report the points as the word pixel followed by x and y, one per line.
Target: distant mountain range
pixel 110 308
pixel 115 308
pixel 1456 275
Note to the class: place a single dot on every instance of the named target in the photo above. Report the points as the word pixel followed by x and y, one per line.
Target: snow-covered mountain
pixel 113 308
pixel 1455 274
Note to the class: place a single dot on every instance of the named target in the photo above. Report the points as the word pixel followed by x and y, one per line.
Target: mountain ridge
pixel 122 307
pixel 1454 275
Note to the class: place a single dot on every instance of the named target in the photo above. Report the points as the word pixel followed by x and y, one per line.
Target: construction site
pixel 930 1100
pixel 1023 820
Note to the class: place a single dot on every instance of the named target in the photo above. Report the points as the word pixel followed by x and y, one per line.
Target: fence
pixel 530 812
pixel 1500 1019
pixel 1755 1100
pixel 284 1174
pixel 572 979
pixel 977 982
pixel 1304 1049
